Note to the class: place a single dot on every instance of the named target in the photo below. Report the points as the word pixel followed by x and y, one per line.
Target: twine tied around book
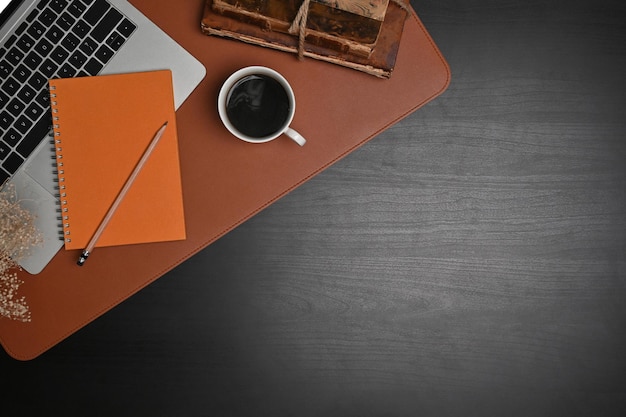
pixel 298 26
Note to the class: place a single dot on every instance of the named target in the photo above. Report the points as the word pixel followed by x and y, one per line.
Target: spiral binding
pixel 60 169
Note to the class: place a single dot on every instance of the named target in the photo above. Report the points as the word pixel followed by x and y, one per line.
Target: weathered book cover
pixel 379 62
pixel 346 25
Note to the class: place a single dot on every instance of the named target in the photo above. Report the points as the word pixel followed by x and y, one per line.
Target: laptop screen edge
pixel 6 10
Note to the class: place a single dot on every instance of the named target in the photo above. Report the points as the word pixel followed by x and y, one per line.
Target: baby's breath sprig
pixel 18 235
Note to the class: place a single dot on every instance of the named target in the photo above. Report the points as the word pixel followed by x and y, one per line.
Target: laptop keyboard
pixel 58 39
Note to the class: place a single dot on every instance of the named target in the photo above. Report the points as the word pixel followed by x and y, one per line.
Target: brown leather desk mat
pixel 225 180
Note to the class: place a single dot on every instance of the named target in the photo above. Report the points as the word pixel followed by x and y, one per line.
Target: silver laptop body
pixel 147 48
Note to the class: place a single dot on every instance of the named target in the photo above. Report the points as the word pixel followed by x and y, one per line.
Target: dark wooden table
pixel 470 261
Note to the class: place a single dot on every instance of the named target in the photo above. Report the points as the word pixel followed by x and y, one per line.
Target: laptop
pixel 44 39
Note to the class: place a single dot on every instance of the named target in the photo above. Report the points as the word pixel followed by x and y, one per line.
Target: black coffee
pixel 257 106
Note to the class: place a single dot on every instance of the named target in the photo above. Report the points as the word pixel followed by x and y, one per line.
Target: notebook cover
pixel 226 181
pixel 102 127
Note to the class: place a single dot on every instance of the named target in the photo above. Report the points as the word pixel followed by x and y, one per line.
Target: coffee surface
pixel 258 106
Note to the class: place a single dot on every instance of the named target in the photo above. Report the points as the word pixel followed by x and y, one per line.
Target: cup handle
pixel 295 136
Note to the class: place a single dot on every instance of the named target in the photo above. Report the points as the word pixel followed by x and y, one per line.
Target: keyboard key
pixel 93 67
pixel 89 46
pixel 104 53
pixel 9 42
pixel 14 56
pixel 36 30
pixel 10 86
pixel 96 11
pixel 3 176
pixel 106 25
pixel 43 47
pixel 25 43
pixel 12 162
pixel 78 59
pixel 47 17
pixel 43 98
pixel 66 71
pixel 81 29
pixel 58 5
pixel 22 124
pixel 22 73
pixel 5 150
pixel 48 68
pixel 38 81
pixel 77 8
pixel 32 61
pixel 54 34
pixel 70 42
pixel 65 21
pixel 21 28
pixel 4 99
pixel 15 107
pixel 26 94
pixel 126 28
pixel 59 55
pixel 115 41
pixel 32 15
pixel 11 137
pixel 5 69
pixel 34 111
pixel 36 135
pixel 6 119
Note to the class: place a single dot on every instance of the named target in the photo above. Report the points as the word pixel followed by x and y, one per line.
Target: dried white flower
pixel 17 235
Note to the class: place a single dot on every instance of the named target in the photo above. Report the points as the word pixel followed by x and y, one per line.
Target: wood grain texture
pixel 470 261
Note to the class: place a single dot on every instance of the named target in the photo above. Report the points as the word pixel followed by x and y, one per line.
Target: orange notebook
pixel 102 127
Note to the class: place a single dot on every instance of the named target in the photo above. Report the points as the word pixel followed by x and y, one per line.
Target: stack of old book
pixel 360 34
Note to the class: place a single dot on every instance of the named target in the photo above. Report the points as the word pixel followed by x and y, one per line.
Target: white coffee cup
pixel 240 89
